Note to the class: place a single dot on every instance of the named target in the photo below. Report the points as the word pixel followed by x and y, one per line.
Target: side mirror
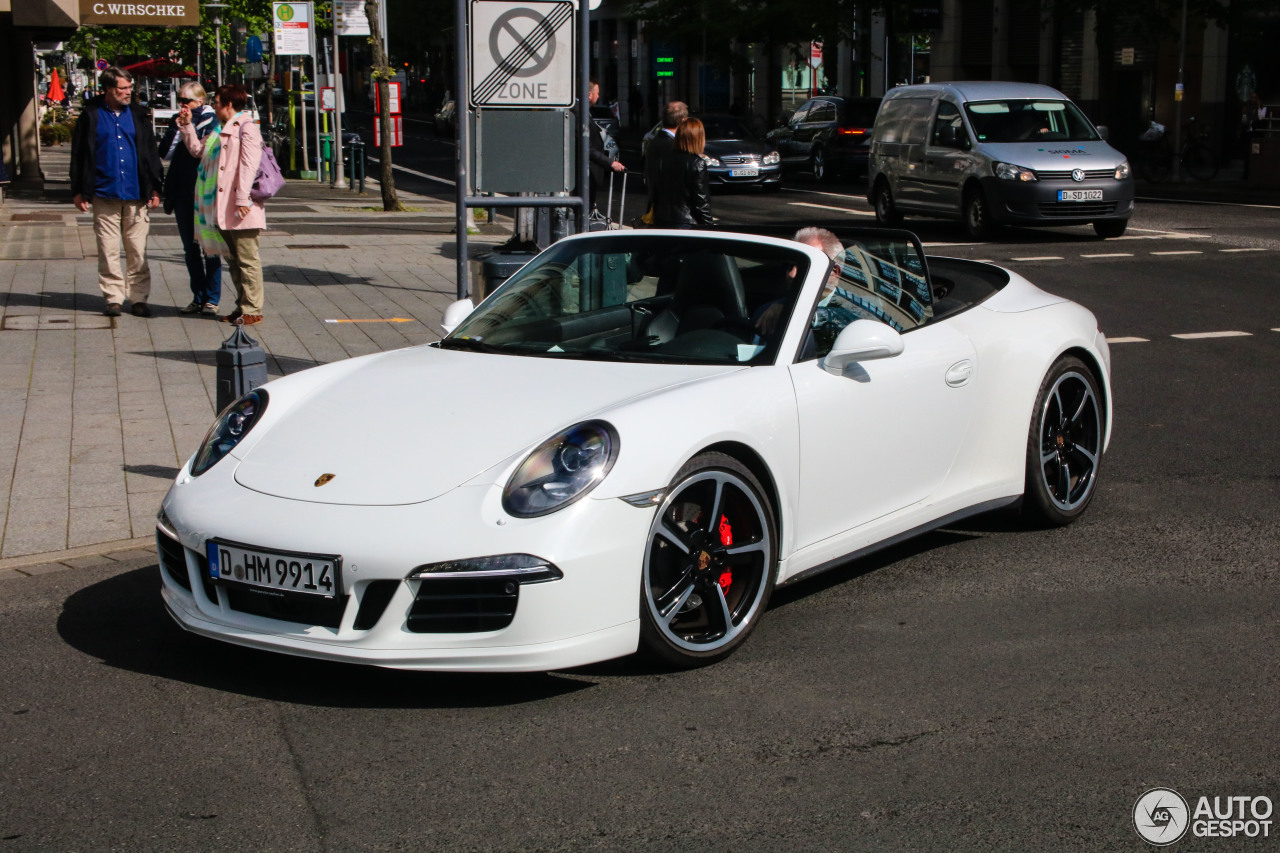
pixel 1104 131
pixel 455 314
pixel 861 340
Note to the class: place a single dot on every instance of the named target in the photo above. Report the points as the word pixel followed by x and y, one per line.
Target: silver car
pixel 993 153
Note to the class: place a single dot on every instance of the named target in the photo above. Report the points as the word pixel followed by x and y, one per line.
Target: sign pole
pixel 584 114
pixel 339 179
pixel 460 98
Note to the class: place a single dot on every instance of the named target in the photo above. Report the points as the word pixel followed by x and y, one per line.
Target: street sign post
pixel 522 54
pixel 393 99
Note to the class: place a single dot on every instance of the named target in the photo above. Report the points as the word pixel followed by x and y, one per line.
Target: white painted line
pixel 859 199
pixel 1133 237
pixel 1128 340
pixel 1041 258
pixel 1110 255
pixel 1186 235
pixel 1195 336
pixel 373 159
pixel 1219 203
pixel 1242 250
pixel 833 207
pixel 1183 252
pixel 939 245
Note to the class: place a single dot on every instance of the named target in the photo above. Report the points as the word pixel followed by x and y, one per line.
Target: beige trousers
pixel 114 220
pixel 246 268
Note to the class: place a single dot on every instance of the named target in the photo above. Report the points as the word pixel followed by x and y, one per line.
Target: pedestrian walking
pixel 660 146
pixel 116 172
pixel 228 220
pixel 599 157
pixel 204 270
pixel 683 193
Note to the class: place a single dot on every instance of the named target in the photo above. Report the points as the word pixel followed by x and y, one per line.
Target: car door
pixel 820 117
pixel 946 161
pixel 784 138
pixel 883 435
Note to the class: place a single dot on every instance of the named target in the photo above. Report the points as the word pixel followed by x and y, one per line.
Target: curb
pixel 122 550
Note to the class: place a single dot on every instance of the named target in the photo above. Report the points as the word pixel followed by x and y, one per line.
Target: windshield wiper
pixel 468 344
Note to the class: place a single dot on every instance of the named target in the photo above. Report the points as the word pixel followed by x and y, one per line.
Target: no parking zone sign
pixel 522 54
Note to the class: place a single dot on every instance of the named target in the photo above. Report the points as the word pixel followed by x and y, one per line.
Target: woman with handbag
pixel 228 219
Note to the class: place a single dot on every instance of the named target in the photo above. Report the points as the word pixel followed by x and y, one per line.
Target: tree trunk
pixel 382 74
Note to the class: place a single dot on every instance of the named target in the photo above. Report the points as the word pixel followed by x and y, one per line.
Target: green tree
pixel 382 74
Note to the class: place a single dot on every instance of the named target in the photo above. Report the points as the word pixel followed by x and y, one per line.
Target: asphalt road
pixel 986 687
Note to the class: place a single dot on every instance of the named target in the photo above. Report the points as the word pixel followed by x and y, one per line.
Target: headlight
pixel 227 431
pixel 772 158
pixel 711 161
pixel 561 470
pixel 1122 171
pixel 1010 172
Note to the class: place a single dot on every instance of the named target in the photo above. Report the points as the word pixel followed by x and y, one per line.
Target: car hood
pixel 721 147
pixel 414 424
pixel 1054 155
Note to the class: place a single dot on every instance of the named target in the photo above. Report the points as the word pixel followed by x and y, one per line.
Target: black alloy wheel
pixel 886 211
pixel 1064 445
pixel 818 163
pixel 710 564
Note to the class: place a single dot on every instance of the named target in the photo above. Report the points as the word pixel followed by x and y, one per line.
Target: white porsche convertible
pixel 627 447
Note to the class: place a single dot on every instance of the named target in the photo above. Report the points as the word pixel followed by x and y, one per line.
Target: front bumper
pixel 1036 202
pixel 766 175
pixel 589 614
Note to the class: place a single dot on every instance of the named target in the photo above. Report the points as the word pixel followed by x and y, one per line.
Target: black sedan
pixel 734 154
pixel 828 135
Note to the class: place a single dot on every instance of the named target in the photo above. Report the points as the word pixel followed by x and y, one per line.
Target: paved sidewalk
pixel 97 415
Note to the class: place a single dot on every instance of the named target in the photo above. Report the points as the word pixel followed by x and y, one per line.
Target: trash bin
pixel 1264 161
pixel 490 270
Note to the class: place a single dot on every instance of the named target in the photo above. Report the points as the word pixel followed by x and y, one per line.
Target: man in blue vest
pixel 116 172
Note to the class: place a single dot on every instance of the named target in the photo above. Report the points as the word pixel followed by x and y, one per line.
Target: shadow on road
pixel 122 622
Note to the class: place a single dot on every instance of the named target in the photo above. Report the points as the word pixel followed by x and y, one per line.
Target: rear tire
pixel 1108 228
pixel 710 563
pixel 822 171
pixel 1064 445
pixel 886 211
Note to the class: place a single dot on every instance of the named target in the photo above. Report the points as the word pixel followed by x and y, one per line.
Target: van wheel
pixel 1110 227
pixel 977 215
pixel 886 211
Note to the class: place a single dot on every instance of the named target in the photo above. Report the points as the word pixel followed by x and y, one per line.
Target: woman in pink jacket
pixel 228 220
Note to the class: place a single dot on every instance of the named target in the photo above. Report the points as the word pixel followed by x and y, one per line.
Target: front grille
pixel 739 160
pixel 1077 209
pixel 173 560
pixel 463 605
pixel 1065 174
pixel 286 606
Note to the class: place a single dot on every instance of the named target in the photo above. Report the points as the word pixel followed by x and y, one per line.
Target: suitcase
pixel 598 221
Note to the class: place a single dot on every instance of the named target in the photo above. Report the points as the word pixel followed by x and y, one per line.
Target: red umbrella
pixel 55 92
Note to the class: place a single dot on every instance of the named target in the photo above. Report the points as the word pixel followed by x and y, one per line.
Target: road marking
pixel 1041 258
pixel 1110 255
pixel 1195 336
pixel 373 159
pixel 1182 252
pixel 1219 203
pixel 1171 234
pixel 1242 250
pixel 937 245
pixel 387 320
pixel 832 207
pixel 1128 340
pixel 857 198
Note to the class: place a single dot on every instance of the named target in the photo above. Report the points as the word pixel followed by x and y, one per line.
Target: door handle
pixel 960 373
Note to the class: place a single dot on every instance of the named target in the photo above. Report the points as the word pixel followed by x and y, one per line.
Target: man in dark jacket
pixel 204 271
pixel 661 144
pixel 600 161
pixel 115 170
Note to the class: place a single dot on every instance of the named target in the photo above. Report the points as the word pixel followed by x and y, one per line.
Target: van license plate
pixel 1079 195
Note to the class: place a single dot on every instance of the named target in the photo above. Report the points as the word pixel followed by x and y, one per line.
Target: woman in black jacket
pixel 682 198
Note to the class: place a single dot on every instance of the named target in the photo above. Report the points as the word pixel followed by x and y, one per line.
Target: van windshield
pixel 1029 121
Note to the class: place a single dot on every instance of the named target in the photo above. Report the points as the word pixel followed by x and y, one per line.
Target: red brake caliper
pixel 726 539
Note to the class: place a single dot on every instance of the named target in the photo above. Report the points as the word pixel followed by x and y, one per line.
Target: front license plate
pixel 744 173
pixel 1079 195
pixel 280 570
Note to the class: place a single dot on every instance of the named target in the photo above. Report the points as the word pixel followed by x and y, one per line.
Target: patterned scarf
pixel 206 218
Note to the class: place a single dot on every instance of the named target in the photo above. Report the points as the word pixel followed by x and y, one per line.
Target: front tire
pixel 977 215
pixel 1110 228
pixel 1064 445
pixel 710 564
pixel 886 211
pixel 822 171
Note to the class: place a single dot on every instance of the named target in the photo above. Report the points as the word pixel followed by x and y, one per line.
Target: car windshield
pixel 644 298
pixel 1029 120
pixel 718 127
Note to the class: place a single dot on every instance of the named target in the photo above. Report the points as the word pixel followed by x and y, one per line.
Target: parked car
pixel 445 121
pixel 734 154
pixel 827 135
pixel 993 153
pixel 643 460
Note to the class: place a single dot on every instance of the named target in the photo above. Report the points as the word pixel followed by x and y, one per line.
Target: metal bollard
pixel 242 366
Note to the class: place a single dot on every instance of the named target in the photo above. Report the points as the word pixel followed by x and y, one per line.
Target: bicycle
pixel 1196 158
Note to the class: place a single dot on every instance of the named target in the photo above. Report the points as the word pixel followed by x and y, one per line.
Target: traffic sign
pixel 102 65
pixel 292 29
pixel 522 53
pixel 815 53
